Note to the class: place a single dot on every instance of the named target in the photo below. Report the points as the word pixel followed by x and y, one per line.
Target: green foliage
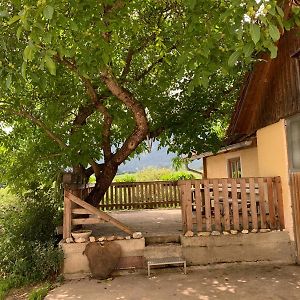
pixel 179 175
pixel 182 60
pixel 125 178
pixel 154 174
pixel 27 250
pixel 40 293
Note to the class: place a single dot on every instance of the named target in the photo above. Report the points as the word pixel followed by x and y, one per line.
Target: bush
pixel 125 178
pixel 40 293
pixel 27 235
pixel 179 175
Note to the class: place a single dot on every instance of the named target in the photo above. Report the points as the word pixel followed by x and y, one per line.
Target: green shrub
pixel 179 175
pixel 27 238
pixel 125 178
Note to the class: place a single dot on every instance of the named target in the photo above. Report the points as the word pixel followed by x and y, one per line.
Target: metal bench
pixel 166 261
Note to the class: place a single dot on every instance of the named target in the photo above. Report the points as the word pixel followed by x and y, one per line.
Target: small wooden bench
pixel 166 261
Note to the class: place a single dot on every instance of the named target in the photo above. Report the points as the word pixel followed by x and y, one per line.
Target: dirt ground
pixel 237 281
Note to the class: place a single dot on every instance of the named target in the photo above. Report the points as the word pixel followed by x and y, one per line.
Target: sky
pixel 156 158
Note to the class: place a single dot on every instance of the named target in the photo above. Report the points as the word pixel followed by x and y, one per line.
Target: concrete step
pixel 161 239
pixel 162 251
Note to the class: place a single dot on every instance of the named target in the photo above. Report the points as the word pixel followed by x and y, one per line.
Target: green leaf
pixel 23 69
pixel 233 58
pixel 8 81
pixel 248 49
pixel 19 32
pixel 4 14
pixel 28 53
pixel 13 20
pixel 48 12
pixel 255 33
pixel 50 64
pixel 280 11
pixel 273 50
pixel 274 32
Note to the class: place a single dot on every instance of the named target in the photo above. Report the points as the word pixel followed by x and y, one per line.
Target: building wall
pixel 268 159
pixel 217 165
pixel 273 161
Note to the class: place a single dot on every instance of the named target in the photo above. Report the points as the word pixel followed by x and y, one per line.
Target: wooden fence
pixel 141 195
pixel 232 204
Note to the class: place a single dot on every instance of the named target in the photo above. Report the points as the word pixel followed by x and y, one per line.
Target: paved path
pixel 151 222
pixel 225 282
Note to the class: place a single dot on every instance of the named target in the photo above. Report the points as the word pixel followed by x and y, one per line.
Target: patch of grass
pixel 40 293
pixel 7 198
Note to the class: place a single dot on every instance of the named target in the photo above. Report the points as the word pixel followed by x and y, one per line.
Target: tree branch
pixel 42 125
pixel 138 112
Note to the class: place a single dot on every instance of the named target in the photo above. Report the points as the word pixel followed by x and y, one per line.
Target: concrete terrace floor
pixel 151 222
pixel 237 281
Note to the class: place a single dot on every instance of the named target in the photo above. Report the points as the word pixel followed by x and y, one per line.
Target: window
pixel 234 168
pixel 293 134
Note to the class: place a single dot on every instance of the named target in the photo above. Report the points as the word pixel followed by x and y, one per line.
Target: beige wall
pixel 273 161
pixel 217 164
pixel 269 158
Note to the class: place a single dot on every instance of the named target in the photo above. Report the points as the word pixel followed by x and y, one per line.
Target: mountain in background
pixel 158 158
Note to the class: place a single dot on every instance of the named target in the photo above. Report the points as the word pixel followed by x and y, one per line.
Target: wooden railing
pixel 74 207
pixel 232 204
pixel 140 195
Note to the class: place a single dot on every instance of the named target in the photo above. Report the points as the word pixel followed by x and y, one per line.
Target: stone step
pixel 161 239
pixel 162 251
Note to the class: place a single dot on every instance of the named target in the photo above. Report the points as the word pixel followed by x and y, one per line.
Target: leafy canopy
pixel 181 60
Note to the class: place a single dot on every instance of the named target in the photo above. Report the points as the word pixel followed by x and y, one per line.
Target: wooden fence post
pixel 280 202
pixel 183 196
pixel 67 220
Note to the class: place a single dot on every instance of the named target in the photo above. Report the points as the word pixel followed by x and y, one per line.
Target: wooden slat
pixel 280 202
pixel 99 213
pixel 253 204
pixel 67 226
pixel 80 211
pixel 271 203
pixel 207 205
pixel 245 220
pixel 235 205
pixel 87 221
pixel 225 204
pixel 188 203
pixel 262 204
pixel 217 204
pixel 198 201
pixel 183 200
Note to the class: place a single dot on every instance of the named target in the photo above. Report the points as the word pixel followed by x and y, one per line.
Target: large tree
pixel 85 83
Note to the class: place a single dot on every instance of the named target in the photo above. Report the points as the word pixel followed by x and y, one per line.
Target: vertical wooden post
pixel 272 218
pixel 189 209
pixel 244 204
pixel 181 185
pixel 67 222
pixel 235 205
pixel 198 200
pixel 226 220
pixel 280 202
pixel 262 204
pixel 217 204
pixel 207 205
pixel 253 203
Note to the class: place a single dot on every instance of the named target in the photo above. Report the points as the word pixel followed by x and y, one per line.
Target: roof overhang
pixel 233 147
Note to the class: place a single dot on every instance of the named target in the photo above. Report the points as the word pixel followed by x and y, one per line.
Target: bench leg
pixel 148 270
pixel 184 264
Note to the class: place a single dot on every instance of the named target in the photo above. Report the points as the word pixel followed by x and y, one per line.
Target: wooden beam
pixel 104 216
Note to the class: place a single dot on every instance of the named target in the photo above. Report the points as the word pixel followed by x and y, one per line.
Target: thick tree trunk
pixel 103 182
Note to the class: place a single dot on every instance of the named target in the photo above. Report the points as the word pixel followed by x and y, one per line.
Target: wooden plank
pixel 111 198
pixel 198 201
pixel 225 204
pixel 253 203
pixel 280 202
pixel 87 221
pixel 80 211
pixel 189 209
pixel 116 197
pixel 183 200
pixel 295 194
pixel 67 220
pixel 217 204
pixel 245 220
pixel 235 205
pixel 207 205
pixel 271 203
pixel 99 213
pixel 262 204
